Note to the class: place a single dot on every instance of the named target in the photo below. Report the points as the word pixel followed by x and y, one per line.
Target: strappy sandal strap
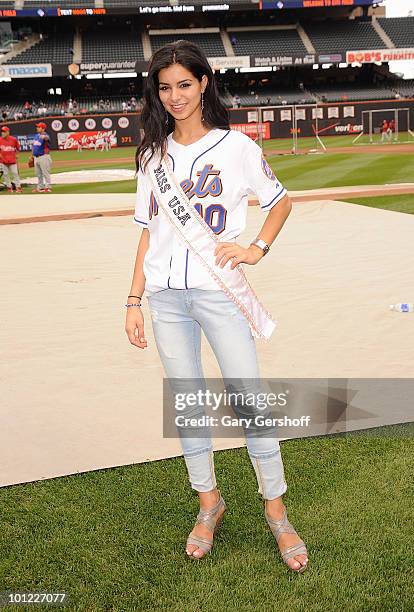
pixel 281 525
pixel 292 551
pixel 208 517
pixel 284 526
pixel 204 544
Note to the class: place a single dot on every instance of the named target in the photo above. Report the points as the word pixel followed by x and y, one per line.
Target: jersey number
pixel 214 215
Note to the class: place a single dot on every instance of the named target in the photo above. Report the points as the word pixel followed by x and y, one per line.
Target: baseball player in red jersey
pixel 384 131
pixel 9 147
pixel 391 129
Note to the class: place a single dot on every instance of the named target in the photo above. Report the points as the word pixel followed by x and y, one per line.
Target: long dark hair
pixel 153 115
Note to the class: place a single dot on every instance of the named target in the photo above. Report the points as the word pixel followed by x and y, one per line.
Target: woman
pixel 216 168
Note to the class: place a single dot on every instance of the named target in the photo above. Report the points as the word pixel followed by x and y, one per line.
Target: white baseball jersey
pixel 217 172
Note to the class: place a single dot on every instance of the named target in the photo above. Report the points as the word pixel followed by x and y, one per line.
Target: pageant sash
pixel 202 241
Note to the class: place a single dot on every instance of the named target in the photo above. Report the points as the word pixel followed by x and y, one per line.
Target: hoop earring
pixel 166 118
pixel 202 105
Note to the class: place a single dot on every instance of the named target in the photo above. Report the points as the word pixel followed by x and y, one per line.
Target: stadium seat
pixel 211 43
pixel 54 49
pixel 268 42
pixel 405 88
pixel 108 45
pixel 399 29
pixel 332 37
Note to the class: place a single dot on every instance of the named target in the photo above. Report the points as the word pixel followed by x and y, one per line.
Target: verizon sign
pixel 379 55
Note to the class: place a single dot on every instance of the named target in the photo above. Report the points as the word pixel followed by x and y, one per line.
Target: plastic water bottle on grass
pixel 402 307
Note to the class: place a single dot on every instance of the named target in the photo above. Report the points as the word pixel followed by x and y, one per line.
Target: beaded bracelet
pixel 128 305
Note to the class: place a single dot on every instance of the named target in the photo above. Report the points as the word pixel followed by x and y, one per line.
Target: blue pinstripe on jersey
pixel 140 221
pixel 206 151
pixel 276 196
pixel 191 173
pixel 169 275
pixel 186 266
pixel 168 281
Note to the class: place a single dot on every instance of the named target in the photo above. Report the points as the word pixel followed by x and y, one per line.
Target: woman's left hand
pixel 230 250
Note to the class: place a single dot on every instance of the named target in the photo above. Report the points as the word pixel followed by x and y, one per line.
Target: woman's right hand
pixel 134 327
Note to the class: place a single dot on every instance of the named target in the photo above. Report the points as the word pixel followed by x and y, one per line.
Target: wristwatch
pixel 262 245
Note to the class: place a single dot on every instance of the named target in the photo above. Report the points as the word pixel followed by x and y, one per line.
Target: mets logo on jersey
pixel 267 169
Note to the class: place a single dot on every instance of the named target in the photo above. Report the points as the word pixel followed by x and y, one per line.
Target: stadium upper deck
pixel 109 44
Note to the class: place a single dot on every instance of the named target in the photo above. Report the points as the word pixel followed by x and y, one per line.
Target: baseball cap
pixel 5 128
pixel 41 125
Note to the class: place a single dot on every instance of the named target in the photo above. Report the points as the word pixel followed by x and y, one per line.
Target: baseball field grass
pixel 295 172
pixel 307 143
pixel 398 203
pixel 114 539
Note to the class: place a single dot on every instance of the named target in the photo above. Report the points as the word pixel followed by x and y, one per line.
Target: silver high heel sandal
pixel 284 526
pixel 207 518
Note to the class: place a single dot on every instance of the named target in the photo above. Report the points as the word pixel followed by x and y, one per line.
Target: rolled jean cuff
pixel 270 475
pixel 200 469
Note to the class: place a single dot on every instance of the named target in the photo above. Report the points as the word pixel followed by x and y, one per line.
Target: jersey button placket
pixel 182 251
pixel 176 277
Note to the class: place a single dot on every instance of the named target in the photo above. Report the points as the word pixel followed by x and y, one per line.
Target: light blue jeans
pixel 178 316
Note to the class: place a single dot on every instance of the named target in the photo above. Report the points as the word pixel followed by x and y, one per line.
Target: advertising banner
pixel 282 60
pixel 25 71
pixel 105 67
pixel 99 68
pixel 346 128
pixel 87 140
pixel 252 129
pixel 44 9
pixel 153 9
pixel 83 131
pixel 328 4
pixel 237 61
pixel 379 55
pixel 330 58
